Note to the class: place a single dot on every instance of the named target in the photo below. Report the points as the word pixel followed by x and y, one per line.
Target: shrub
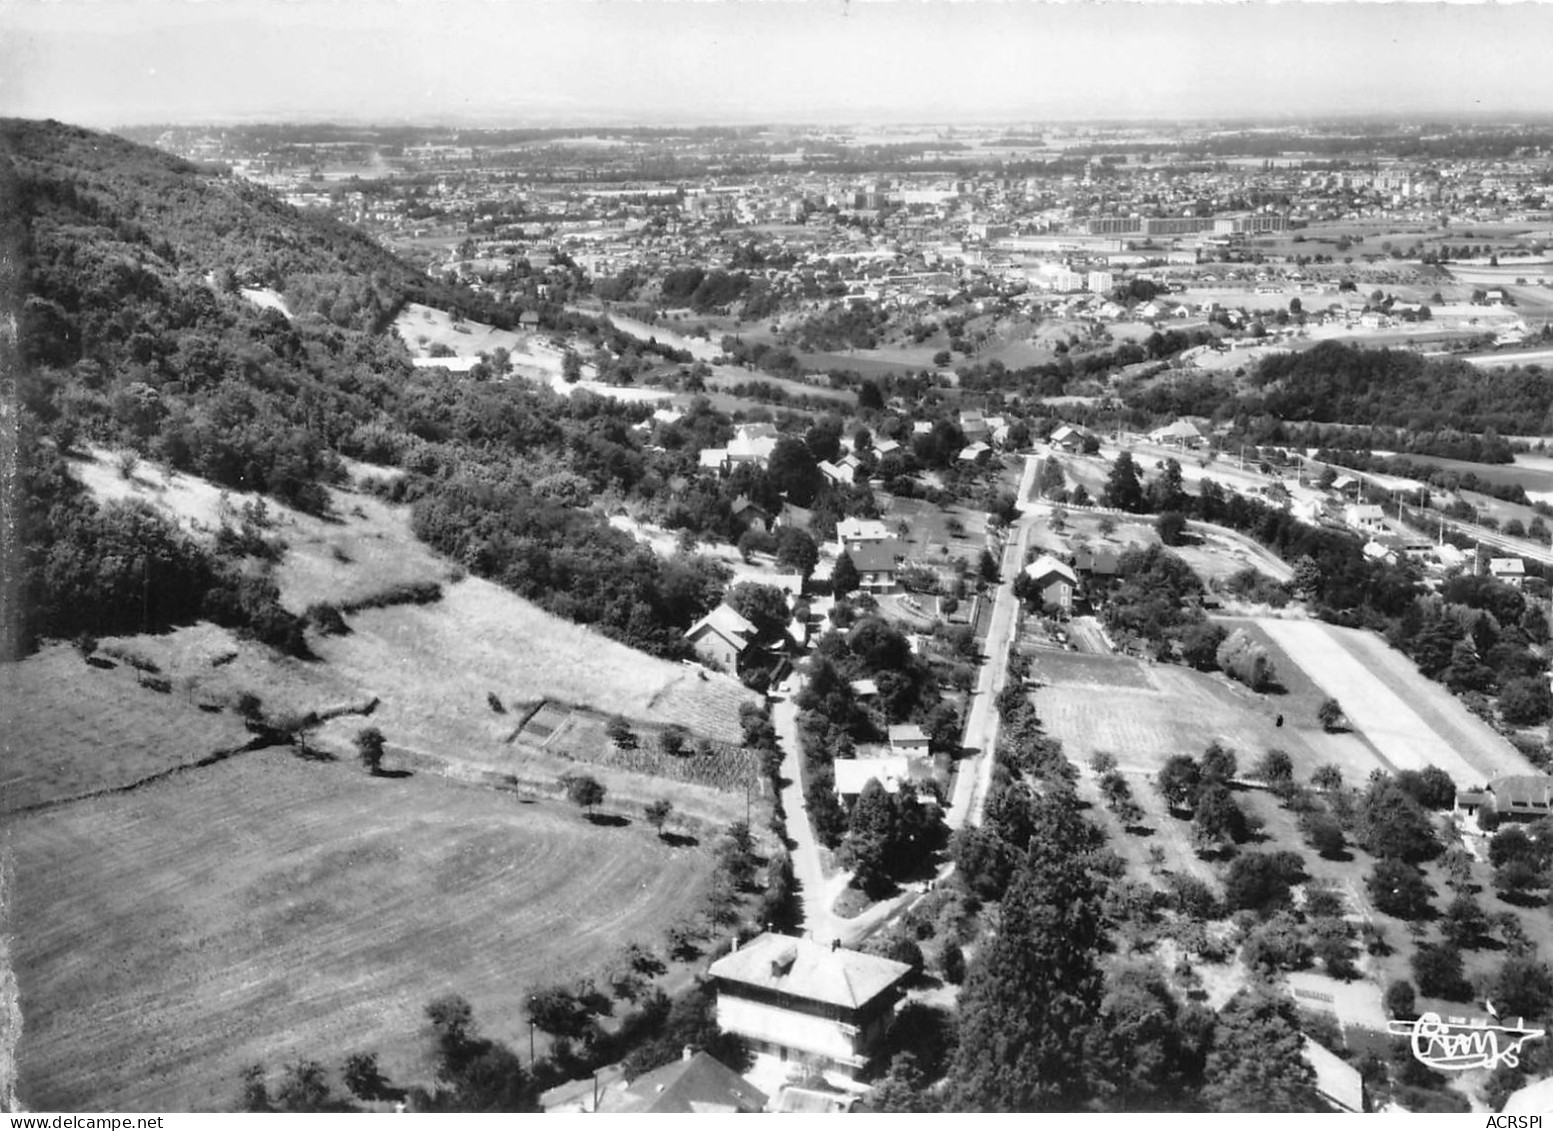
pixel 1324 833
pixel 1399 1000
pixel 1399 888
pixel 327 619
pixel 1243 658
pixel 672 740
pixel 1438 973
pixel 1260 881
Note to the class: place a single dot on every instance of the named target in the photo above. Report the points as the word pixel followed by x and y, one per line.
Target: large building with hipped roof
pixel 799 1000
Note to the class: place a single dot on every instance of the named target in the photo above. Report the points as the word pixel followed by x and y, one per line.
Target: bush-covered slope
pixel 133 333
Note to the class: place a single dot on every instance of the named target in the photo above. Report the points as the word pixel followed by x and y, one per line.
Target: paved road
pixel 818 891
pixel 981 723
pixel 808 863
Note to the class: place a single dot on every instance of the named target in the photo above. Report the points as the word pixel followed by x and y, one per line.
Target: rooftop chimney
pixel 688 1053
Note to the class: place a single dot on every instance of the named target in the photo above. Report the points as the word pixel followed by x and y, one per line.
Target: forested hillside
pixel 1398 388
pixel 134 335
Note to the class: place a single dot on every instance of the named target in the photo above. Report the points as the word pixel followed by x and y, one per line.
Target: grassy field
pixel 69 729
pixel 366 548
pixel 422 327
pixel 928 529
pixel 165 938
pixel 1411 720
pixel 1145 713
pixel 433 667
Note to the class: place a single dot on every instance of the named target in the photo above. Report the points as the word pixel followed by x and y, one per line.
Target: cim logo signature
pixel 1457 1045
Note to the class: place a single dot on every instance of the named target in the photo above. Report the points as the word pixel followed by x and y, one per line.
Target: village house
pixel 835 473
pixel 878 564
pixel 1182 433
pixel 1515 795
pixel 798 1000
pixel 750 514
pixel 1100 563
pixel 852 774
pixel 1051 582
pixel 1367 518
pixel 908 739
pixel 722 638
pixel 697 1083
pixel 1511 571
pixel 853 533
pixel 1068 438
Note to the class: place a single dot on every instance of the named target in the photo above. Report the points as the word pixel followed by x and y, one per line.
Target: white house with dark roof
pixel 800 1000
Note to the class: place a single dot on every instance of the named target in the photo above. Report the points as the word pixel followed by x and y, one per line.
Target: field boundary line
pixel 258 742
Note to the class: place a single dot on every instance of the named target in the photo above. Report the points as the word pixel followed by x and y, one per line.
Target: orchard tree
pixel 1179 780
pixel 658 813
pixel 584 791
pixel 369 748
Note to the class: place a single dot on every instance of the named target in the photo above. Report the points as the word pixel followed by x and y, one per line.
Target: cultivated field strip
pixel 1413 721
pixel 164 939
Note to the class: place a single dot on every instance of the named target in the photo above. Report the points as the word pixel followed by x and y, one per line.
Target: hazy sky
pixel 123 62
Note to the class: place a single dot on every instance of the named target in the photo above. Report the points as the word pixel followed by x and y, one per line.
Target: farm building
pixel 1051 582
pixel 722 637
pixel 797 999
pixel 1181 432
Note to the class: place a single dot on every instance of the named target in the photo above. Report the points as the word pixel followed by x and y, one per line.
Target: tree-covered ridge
pixel 1341 383
pixel 134 335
